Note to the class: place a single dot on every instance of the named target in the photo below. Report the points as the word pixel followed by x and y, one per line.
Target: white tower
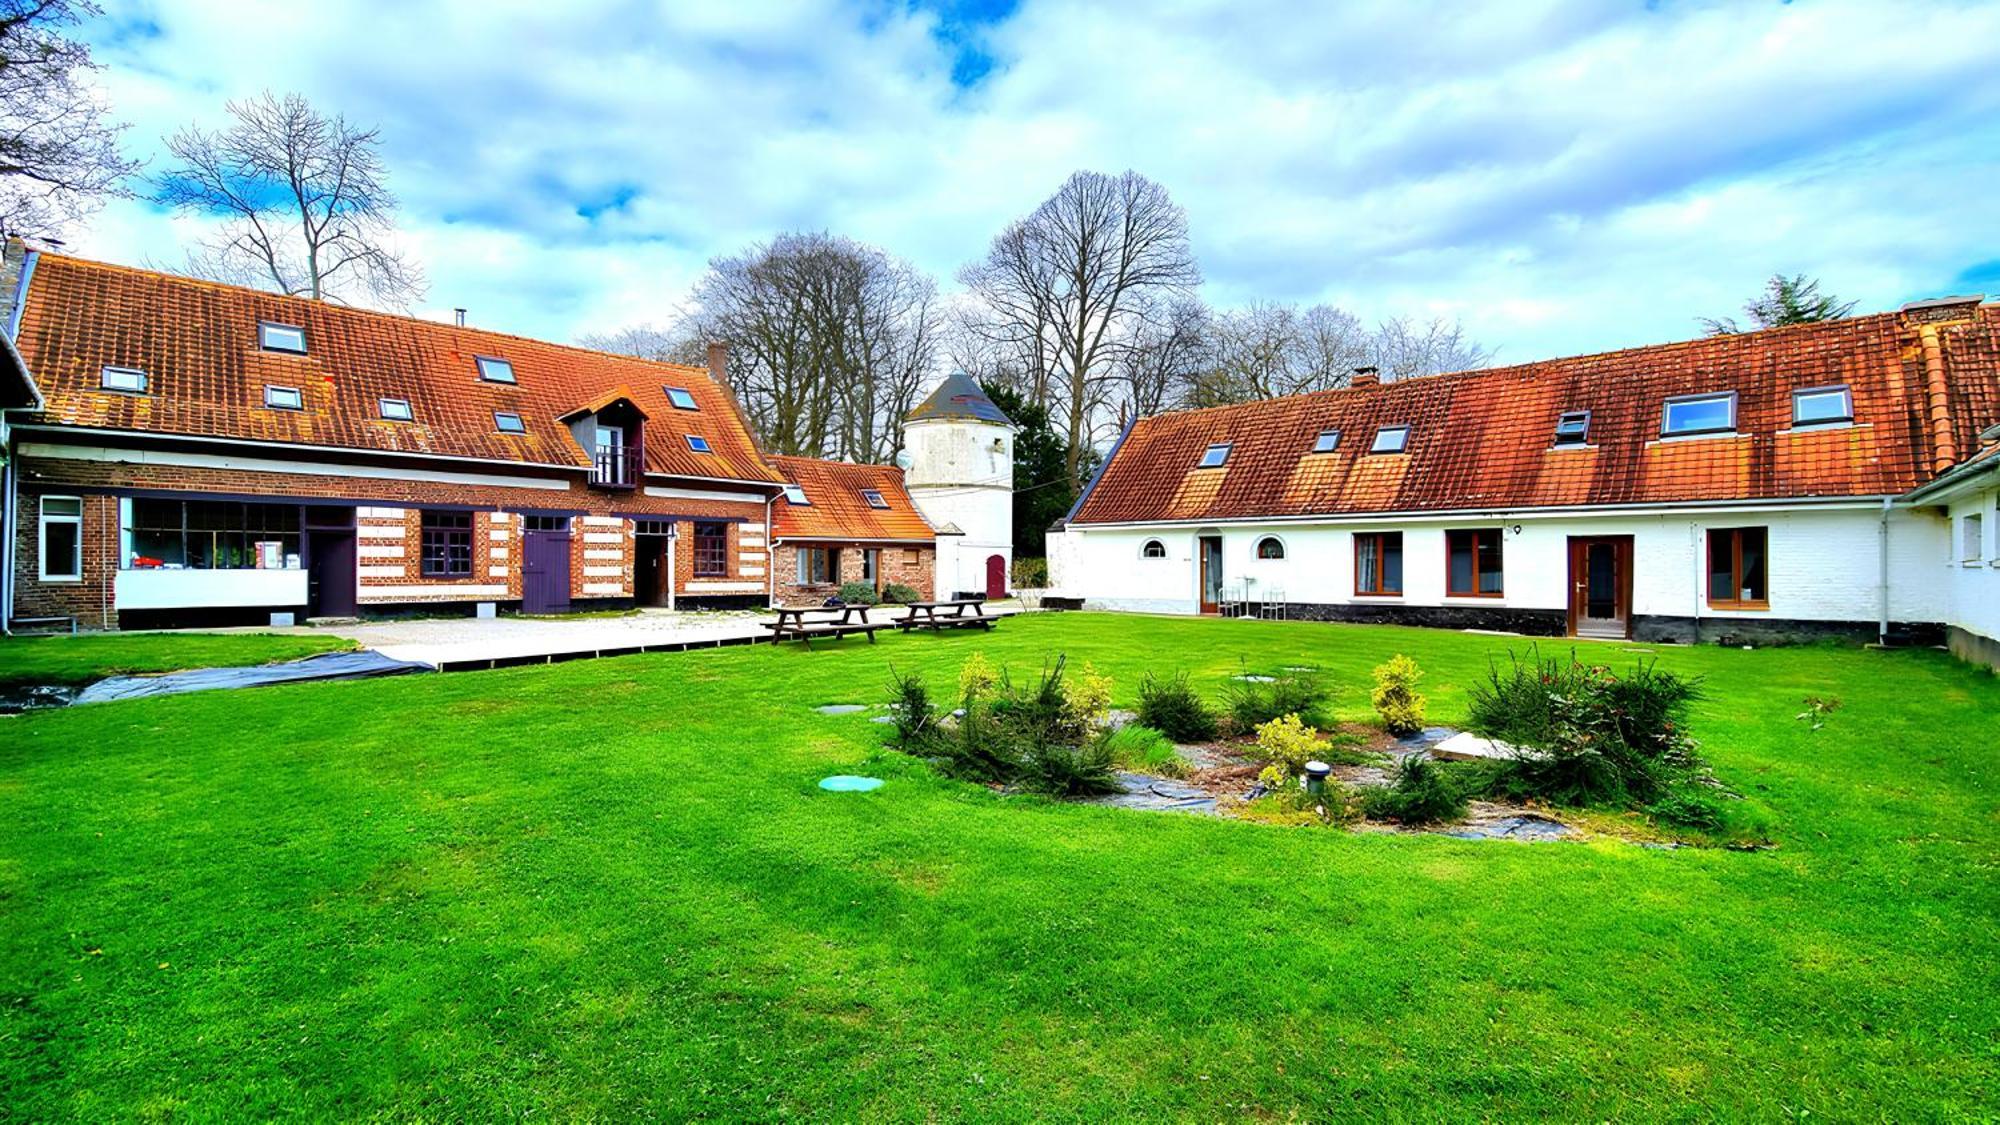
pixel 961 474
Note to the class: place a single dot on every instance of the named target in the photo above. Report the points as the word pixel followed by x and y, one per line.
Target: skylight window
pixel 698 443
pixel 1821 406
pixel 1573 428
pixel 681 399
pixel 284 398
pixel 281 337
pixel 130 380
pixel 1699 414
pixel 1327 441
pixel 394 409
pixel 874 498
pixel 1215 455
pixel 494 370
pixel 1391 439
pixel 508 423
pixel 796 495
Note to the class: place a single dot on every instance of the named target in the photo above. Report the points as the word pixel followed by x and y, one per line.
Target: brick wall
pixel 912 566
pixel 389 517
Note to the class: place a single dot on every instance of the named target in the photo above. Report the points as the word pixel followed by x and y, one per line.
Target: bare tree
pixel 304 204
pixel 830 341
pixel 1065 288
pixel 1161 366
pixel 58 149
pixel 1406 349
pixel 675 342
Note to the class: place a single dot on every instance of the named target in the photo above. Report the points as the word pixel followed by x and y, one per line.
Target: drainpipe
pixel 1695 546
pixel 13 501
pixel 1882 546
pixel 673 566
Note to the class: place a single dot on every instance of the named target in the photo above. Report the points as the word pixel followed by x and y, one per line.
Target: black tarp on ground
pixel 325 666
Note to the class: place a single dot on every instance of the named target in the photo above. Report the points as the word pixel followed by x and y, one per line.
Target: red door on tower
pixel 996 576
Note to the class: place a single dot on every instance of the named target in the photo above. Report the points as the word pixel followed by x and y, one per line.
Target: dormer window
pixel 1327 441
pixel 1573 428
pixel 281 337
pixel 681 398
pixel 698 443
pixel 1391 439
pixel 394 409
pixel 1688 415
pixel 874 498
pixel 126 380
pixel 1822 406
pixel 494 370
pixel 796 495
pixel 1215 456
pixel 284 398
pixel 508 423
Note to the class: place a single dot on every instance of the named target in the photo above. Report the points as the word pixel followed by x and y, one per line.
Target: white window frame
pixel 796 496
pixel 1972 538
pixel 382 406
pixel 42 521
pixel 106 377
pixel 487 365
pixel 1147 544
pixel 1402 440
pixel 1219 451
pixel 271 336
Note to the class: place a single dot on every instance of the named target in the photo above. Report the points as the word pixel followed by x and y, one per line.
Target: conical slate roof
pixel 959 397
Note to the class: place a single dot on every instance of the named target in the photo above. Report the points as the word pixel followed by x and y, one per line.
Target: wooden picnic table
pixel 929 615
pixel 827 621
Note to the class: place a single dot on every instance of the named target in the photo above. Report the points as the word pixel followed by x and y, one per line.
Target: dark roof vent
pixel 1368 376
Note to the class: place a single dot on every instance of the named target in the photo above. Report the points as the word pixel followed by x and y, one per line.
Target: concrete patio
pixel 465 643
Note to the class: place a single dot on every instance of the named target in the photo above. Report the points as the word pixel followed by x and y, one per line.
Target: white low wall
pixel 204 589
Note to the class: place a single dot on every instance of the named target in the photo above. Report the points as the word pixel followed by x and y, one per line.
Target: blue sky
pixel 1563 177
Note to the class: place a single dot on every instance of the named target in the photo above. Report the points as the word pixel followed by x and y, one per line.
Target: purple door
pixel 545 571
pixel 330 573
pixel 996 576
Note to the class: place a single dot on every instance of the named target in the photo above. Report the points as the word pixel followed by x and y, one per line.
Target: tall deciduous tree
pixel 58 147
pixel 305 204
pixel 1785 300
pixel 1065 289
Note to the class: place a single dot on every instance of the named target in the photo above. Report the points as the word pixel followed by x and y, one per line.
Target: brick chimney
pixel 718 364
pixel 1368 376
pixel 13 256
pixel 1938 310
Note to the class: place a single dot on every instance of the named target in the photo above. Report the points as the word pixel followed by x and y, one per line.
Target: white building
pixel 1770 486
pixel 960 472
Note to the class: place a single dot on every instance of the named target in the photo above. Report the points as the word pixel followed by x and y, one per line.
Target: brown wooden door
pixel 1209 549
pixel 1600 586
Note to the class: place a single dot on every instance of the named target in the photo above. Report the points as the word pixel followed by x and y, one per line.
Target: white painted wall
pixel 1972 577
pixel 1824 564
pixel 205 589
pixel 961 473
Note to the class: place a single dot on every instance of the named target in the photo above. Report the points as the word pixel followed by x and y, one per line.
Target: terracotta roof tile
pixel 837 510
pixel 1485 439
pixel 197 342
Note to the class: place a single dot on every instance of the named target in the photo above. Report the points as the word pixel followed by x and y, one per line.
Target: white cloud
pixel 1567 177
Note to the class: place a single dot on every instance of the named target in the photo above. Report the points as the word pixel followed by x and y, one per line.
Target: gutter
pixel 1861 503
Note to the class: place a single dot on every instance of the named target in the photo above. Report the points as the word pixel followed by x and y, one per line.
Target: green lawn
pixel 609 889
pixel 92 656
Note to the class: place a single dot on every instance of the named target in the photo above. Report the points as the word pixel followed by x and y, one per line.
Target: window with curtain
pixel 1378 562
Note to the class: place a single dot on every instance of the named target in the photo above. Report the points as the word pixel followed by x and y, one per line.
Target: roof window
pixel 1391 439
pixel 1699 414
pixel 874 497
pixel 129 380
pixel 284 398
pixel 494 370
pixel 1573 428
pixel 1215 456
pixel 508 423
pixel 281 337
pixel 1327 441
pixel 1822 406
pixel 796 495
pixel 394 409
pixel 681 398
pixel 698 443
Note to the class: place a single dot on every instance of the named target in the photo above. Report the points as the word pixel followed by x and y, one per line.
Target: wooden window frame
pixel 1451 537
pixel 438 543
pixel 708 560
pixel 1735 568
pixel 1381 540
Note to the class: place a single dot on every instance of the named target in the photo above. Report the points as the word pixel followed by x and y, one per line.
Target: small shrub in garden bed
pixel 1396 698
pixel 916 719
pixel 1142 749
pixel 857 593
pixel 1039 736
pixel 1291 692
pixel 1425 792
pixel 1068 771
pixel 895 593
pixel 1169 705
pixel 1288 744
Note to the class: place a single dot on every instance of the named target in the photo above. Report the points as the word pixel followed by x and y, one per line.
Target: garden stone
pixel 840 708
pixel 1522 827
pixel 1256 679
pixel 1468 747
pixel 1157 794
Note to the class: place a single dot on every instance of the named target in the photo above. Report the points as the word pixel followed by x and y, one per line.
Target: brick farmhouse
pixel 183 452
pixel 1836 478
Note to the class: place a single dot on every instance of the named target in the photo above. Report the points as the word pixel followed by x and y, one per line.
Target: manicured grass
pixel 609 889
pixel 93 656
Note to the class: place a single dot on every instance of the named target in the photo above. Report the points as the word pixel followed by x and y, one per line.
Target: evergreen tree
pixel 1042 490
pixel 1785 300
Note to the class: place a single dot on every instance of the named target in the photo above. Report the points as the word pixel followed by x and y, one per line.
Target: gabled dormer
pixel 612 429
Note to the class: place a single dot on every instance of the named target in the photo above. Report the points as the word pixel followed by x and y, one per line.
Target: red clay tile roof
pixel 837 510
pixel 197 342
pixel 1484 439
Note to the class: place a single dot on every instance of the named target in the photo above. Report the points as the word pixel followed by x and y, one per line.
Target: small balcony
pixel 617 468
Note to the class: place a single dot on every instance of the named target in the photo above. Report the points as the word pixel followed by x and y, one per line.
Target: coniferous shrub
pixel 1294 691
pixel 1395 697
pixel 916 718
pixel 895 593
pixel 1169 705
pixel 1424 792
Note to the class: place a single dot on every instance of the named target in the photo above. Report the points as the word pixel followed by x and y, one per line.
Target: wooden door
pixel 1600 585
pixel 331 573
pixel 996 576
pixel 545 572
pixel 1210 552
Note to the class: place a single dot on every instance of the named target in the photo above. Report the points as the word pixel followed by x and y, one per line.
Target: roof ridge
pixel 356 310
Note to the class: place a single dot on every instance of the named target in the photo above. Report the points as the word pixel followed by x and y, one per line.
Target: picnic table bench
pixel 834 621
pixel 926 615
